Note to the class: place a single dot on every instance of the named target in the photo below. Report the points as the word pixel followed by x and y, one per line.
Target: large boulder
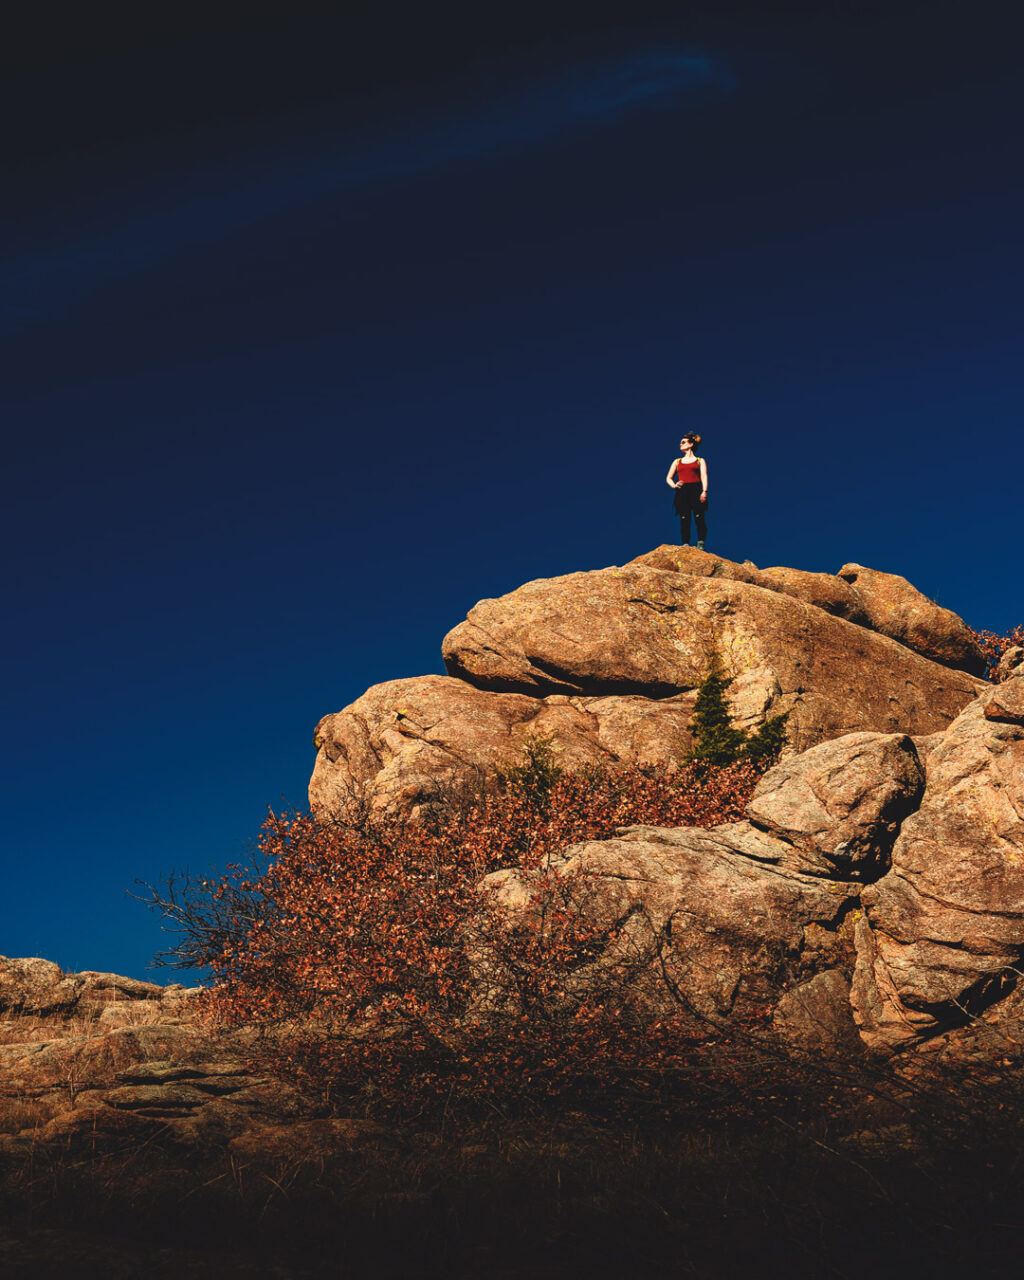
pixel 719 926
pixel 653 632
pixel 656 632
pixel 735 915
pixel 607 664
pixel 404 742
pixel 897 609
pixel 840 804
pixel 852 859
pixel 943 932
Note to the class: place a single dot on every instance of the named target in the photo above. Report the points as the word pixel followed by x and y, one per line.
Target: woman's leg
pixel 687 503
pixel 701 521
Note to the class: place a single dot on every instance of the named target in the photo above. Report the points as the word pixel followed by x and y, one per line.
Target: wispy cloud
pixel 33 286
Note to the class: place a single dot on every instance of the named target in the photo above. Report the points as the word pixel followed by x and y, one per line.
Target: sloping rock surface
pixel 840 804
pixel 882 602
pixel 896 609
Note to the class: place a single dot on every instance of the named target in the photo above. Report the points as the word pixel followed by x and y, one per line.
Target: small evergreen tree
pixel 537 775
pixel 765 746
pixel 717 741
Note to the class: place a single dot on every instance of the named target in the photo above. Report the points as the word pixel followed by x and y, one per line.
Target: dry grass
pixel 835 1185
pixel 18 1114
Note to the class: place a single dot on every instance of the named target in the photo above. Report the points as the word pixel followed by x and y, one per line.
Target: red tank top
pixel 687 472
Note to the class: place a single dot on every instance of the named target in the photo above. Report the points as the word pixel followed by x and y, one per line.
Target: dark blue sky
pixel 316 330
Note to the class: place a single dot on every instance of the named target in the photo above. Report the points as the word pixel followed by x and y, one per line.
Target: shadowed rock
pixel 944 929
pixel 816 1017
pixel 108 1060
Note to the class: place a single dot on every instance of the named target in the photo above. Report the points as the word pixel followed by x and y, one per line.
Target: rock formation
pixel 855 861
pixel 872 898
pixel 875 877
pixel 114 1060
pixel 607 663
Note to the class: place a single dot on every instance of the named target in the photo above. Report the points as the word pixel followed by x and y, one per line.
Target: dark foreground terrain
pixel 781 1190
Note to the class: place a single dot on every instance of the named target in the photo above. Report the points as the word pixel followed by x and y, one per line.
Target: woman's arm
pixel 671 472
pixel 703 480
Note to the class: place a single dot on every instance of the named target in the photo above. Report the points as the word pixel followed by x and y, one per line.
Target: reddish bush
pixel 993 646
pixel 384 970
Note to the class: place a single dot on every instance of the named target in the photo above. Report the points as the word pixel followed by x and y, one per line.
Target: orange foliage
pixel 993 646
pixel 390 976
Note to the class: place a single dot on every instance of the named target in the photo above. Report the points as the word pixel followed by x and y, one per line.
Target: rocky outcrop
pixel 607 663
pixel 719 924
pixel 110 1060
pixel 896 817
pixel 34 989
pixel 734 916
pixel 852 861
pixel 875 879
pixel 653 632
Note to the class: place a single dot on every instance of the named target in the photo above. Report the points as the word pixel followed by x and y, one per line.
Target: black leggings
pixel 687 500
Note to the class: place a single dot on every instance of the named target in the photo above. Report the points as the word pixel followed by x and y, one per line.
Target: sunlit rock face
pixel 873 892
pixel 871 899
pixel 607 662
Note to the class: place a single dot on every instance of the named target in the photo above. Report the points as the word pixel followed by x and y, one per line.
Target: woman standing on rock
pixel 688 475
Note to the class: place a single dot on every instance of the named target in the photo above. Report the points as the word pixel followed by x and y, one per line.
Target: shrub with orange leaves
pixel 993 645
pixel 373 957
